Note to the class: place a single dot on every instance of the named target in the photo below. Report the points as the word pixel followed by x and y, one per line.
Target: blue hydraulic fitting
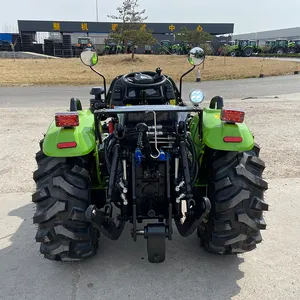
pixel 162 155
pixel 138 156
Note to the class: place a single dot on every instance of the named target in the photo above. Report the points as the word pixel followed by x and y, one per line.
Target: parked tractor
pixel 255 45
pixel 148 49
pixel 139 154
pixel 165 47
pixel 294 46
pixel 184 48
pixel 278 46
pixel 240 48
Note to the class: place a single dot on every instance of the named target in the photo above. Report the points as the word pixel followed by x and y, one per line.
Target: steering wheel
pixel 143 79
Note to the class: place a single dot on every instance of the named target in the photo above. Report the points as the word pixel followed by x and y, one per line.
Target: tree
pixel 128 14
pixel 138 37
pixel 195 37
pixel 131 28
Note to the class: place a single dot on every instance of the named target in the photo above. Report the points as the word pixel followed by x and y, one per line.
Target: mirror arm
pixel 180 83
pixel 102 77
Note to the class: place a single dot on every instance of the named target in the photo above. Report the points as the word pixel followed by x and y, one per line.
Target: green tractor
pixel 140 154
pixel 110 47
pixel 278 46
pixel 240 48
pixel 165 47
pixel 294 46
pixel 269 46
pixel 184 48
pixel 256 47
pixel 175 48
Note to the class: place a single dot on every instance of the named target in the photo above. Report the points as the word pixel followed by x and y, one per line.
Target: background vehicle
pixel 240 48
pixel 139 153
pixel 5 46
pixel 165 47
pixel 294 46
pixel 255 45
pixel 148 49
pixel 185 48
pixel 278 46
pixel 84 42
pixel 110 47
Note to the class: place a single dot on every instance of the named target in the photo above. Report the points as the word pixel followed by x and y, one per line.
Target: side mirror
pixel 196 56
pixel 89 57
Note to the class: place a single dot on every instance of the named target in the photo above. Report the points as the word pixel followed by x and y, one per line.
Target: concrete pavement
pixel 121 270
pixel 229 89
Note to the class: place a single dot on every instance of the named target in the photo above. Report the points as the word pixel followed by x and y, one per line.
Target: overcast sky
pixel 255 16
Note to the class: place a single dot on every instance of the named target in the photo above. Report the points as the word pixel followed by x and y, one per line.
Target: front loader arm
pixel 213 131
pixel 83 135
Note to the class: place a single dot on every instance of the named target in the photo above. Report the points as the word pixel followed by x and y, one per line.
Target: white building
pixel 262 36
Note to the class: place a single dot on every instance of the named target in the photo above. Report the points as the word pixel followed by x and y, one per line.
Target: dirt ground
pixel 73 72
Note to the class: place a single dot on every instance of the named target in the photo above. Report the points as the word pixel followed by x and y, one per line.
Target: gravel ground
pixel 120 270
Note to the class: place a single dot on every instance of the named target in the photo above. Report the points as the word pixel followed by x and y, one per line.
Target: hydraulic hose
pixel 195 167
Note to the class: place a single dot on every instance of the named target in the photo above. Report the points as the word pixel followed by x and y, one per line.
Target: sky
pixel 258 15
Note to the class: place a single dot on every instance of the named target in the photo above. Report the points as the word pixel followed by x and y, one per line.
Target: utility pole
pixel 97 10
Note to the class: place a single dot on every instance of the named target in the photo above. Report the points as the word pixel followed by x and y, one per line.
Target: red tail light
pixel 67 119
pixel 65 145
pixel 233 139
pixel 232 115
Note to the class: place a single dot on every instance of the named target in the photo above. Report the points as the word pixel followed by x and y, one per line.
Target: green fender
pixel 83 135
pixel 214 131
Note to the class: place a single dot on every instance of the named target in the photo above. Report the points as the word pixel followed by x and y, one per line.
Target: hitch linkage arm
pixel 101 220
pixel 192 221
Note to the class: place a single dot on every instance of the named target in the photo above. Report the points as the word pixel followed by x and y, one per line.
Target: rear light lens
pixel 67 119
pixel 65 145
pixel 233 139
pixel 232 115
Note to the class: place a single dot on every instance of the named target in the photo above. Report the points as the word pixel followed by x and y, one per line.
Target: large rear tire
pixel 63 193
pixel 236 191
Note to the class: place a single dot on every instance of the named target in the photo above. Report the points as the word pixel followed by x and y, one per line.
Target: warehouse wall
pixel 289 33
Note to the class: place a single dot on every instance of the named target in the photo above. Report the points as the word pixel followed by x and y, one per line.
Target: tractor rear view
pixel 140 155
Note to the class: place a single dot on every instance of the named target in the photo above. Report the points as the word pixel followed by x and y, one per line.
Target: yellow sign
pixel 56 26
pixel 172 102
pixel 143 27
pixel 84 26
pixel 114 27
pixel 199 28
pixel 172 27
